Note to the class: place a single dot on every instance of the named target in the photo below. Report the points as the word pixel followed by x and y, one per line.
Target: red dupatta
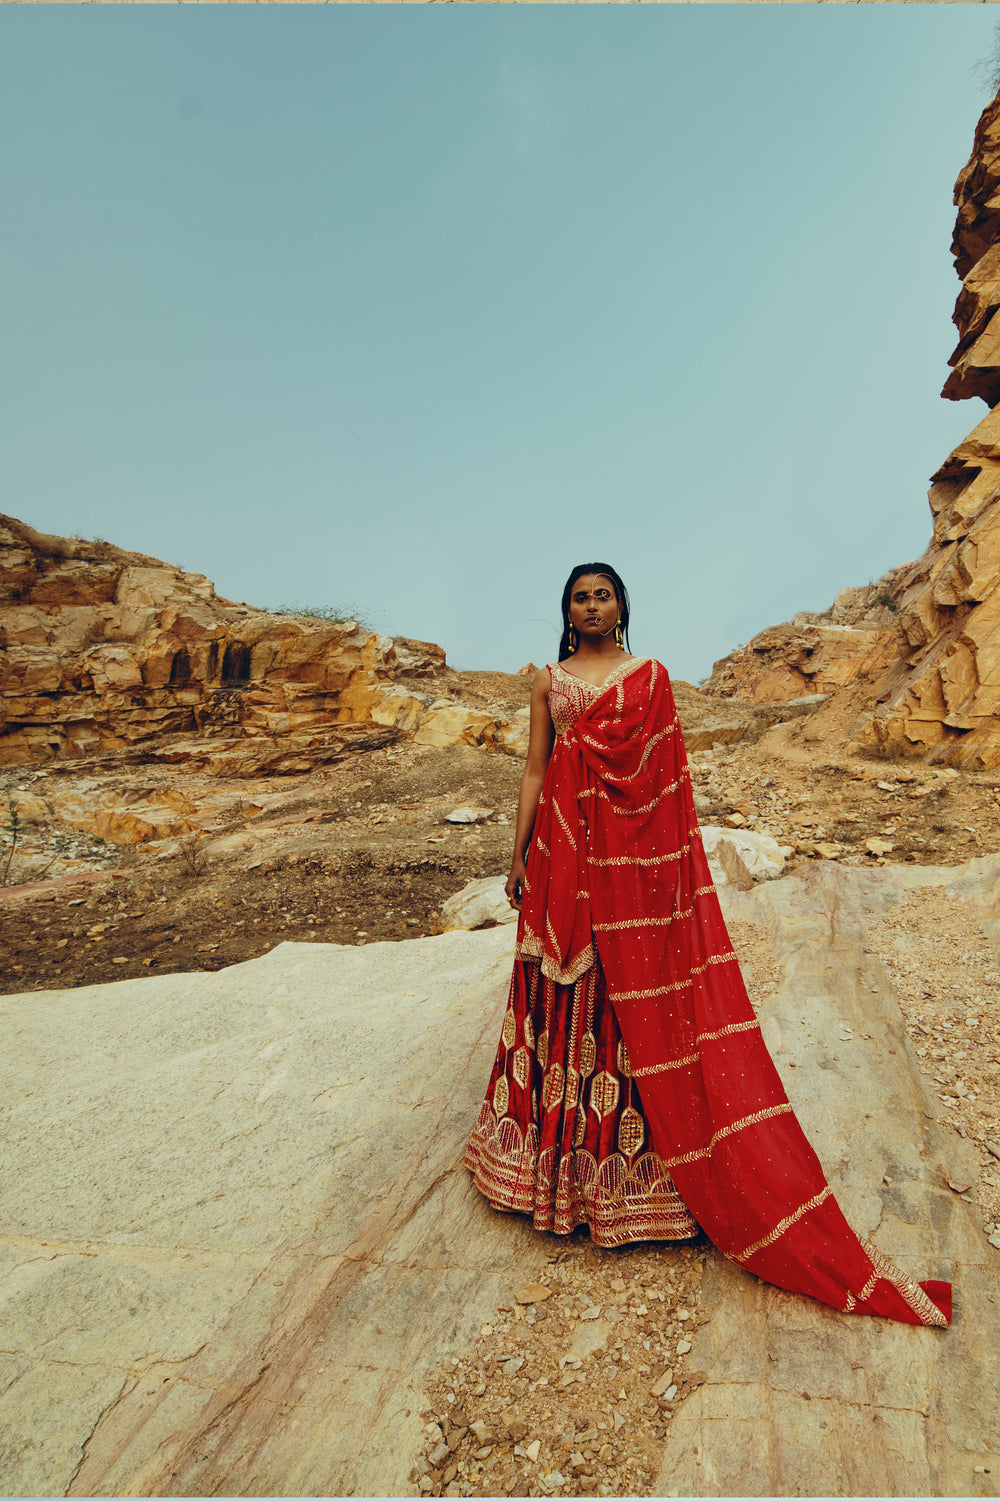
pixel 617 862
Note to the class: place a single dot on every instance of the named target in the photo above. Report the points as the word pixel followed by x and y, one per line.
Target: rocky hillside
pixel 111 653
pixel 913 662
pixel 104 650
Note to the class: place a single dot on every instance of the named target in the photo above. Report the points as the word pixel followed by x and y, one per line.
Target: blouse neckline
pixel 616 674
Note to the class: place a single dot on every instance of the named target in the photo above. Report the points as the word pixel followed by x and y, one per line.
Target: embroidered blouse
pixel 570 696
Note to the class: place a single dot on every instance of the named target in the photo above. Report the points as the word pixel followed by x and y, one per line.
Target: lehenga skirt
pixel 562 1135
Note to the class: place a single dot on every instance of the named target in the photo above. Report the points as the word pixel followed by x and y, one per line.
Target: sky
pixel 414 308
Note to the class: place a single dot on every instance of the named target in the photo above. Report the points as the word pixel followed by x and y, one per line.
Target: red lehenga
pixel 632 1089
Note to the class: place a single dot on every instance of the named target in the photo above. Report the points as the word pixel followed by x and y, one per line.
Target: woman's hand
pixel 515 882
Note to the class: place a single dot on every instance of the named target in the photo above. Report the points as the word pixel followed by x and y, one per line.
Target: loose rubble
pixel 570 1389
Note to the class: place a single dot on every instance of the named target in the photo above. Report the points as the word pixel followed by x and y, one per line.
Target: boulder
pixel 760 854
pixel 480 904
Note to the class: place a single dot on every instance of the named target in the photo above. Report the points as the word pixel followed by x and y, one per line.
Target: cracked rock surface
pixel 239 1255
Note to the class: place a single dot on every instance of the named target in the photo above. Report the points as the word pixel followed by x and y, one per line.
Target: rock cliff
pixel 917 672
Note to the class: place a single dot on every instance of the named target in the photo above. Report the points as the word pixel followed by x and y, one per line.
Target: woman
pixel 632 1089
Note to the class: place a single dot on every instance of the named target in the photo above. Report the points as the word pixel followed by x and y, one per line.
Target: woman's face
pixel 593 606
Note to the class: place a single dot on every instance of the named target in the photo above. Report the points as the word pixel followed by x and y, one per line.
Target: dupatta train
pixel 617 861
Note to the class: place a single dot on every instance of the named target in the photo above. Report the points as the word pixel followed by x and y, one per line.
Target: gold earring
pixel 572 640
pixel 620 636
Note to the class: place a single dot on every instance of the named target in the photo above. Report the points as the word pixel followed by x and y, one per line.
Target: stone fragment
pixel 879 846
pixel 683 1346
pixel 532 1450
pixel 661 1383
pixel 533 1292
pixel 468 815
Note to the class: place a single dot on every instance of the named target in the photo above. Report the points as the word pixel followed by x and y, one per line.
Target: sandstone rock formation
pixel 922 677
pixel 104 650
pixel 816 654
pixel 237 1235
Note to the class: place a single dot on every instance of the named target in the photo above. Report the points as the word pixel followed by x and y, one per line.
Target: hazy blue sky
pixel 418 307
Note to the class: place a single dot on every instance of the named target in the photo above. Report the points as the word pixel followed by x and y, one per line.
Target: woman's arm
pixel 540 741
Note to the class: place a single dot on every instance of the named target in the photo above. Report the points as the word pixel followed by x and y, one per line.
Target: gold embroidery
pixel 911 1292
pixel 521 1066
pixel 543 1047
pixel 646 995
pixel 509 1032
pixel 662 1068
pixel 501 1096
pixel 645 807
pixel 555 1083
pixel 603 1094
pixel 635 922
pixel 572 1089
pixel 641 859
pixel 624 1066
pixel 724 1131
pixel 750 1026
pixel 564 825
pixel 783 1225
pixel 529 1031
pixel 630 1131
pixel 621 1201
pixel 579 1127
pixel 588 1053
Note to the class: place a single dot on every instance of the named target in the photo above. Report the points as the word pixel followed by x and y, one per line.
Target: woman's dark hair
pixel 621 594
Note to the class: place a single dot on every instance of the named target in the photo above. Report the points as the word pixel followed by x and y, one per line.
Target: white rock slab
pixel 236 1229
pixel 479 904
pixel 236 1234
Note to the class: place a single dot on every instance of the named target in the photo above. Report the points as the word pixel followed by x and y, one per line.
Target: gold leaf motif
pixel 555 1083
pixel 520 1066
pixel 501 1095
pixel 624 1067
pixel 572 1090
pixel 529 1031
pixel 603 1094
pixel 631 1131
pixel 543 1047
pixel 509 1030
pixel 588 1053
pixel 580 1127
